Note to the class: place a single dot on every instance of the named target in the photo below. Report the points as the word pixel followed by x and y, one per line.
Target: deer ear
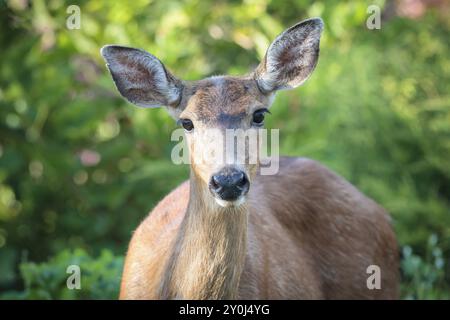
pixel 291 58
pixel 141 78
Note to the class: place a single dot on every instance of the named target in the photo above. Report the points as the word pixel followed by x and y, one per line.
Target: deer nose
pixel 229 184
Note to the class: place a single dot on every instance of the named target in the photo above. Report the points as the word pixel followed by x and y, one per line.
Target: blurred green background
pixel 80 168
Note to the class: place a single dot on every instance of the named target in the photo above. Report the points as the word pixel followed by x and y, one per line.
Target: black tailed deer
pixel 230 232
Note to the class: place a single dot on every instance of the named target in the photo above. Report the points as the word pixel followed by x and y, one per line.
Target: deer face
pixel 221 115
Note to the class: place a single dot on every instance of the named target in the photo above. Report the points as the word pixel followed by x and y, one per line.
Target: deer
pixel 230 232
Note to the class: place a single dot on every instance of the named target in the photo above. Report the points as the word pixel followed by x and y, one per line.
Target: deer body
pixel 230 231
pixel 313 242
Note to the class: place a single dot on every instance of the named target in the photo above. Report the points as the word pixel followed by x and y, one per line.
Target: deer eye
pixel 187 124
pixel 258 117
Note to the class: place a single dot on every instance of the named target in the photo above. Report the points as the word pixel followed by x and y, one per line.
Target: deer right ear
pixel 291 58
pixel 141 78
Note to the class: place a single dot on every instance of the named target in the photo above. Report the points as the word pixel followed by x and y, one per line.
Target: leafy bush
pixel 424 277
pixel 100 277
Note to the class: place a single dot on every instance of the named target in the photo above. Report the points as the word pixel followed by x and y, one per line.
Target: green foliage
pixel 424 277
pixel 80 168
pixel 100 277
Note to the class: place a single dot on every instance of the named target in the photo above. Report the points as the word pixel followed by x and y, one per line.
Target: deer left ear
pixel 291 58
pixel 141 78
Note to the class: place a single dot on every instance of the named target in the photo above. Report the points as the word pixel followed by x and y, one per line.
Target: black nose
pixel 229 184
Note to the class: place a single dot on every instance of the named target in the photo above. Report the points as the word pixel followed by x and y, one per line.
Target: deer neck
pixel 209 252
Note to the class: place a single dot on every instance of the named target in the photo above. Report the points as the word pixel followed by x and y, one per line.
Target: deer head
pixel 217 103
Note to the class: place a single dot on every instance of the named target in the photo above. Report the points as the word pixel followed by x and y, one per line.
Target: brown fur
pixel 221 100
pixel 312 242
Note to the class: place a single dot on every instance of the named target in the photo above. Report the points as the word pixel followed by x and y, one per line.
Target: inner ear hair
pixel 291 57
pixel 141 78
